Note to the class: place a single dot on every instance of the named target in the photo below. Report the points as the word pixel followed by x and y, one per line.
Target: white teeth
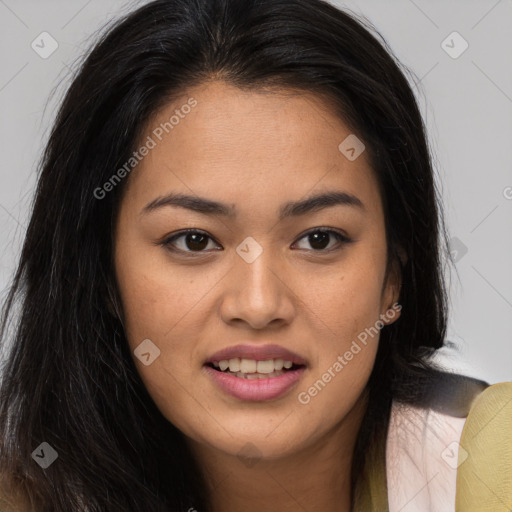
pixel 234 365
pixel 278 364
pixel 237 365
pixel 248 365
pixel 265 366
pixel 256 375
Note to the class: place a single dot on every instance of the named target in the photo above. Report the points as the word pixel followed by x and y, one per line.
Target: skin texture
pixel 256 151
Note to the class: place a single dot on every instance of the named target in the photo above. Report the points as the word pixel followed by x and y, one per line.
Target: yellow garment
pixel 484 478
pixel 484 474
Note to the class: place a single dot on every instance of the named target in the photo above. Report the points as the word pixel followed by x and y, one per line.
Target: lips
pixel 257 353
pixel 255 390
pixel 255 372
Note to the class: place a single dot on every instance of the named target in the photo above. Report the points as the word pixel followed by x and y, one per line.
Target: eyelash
pixel 167 242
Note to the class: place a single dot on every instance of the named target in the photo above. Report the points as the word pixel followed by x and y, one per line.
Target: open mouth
pixel 255 379
pixel 252 369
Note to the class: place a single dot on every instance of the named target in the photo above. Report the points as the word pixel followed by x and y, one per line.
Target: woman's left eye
pixel 318 238
pixel 193 240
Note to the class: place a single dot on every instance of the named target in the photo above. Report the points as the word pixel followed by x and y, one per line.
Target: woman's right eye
pixel 188 241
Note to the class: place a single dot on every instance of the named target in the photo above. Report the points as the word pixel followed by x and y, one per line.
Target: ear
pixel 390 311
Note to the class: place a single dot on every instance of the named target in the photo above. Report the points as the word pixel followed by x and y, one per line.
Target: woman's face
pixel 260 271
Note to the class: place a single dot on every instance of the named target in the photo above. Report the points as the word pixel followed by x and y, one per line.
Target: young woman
pixel 231 284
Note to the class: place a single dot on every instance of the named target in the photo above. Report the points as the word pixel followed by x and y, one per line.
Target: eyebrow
pixel 290 209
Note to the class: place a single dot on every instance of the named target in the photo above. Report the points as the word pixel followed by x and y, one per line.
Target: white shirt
pixel 422 451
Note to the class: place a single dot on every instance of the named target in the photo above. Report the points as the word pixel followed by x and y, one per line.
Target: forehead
pixel 249 146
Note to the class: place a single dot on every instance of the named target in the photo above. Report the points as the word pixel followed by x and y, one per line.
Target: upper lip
pixel 257 352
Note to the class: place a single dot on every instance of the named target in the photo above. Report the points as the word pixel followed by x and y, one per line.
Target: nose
pixel 258 293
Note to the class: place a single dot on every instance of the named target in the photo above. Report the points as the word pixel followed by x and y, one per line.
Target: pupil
pixel 196 241
pixel 320 237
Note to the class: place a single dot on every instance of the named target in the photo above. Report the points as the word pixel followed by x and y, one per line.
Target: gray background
pixel 466 102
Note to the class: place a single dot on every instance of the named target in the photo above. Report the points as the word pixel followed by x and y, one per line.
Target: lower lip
pixel 255 389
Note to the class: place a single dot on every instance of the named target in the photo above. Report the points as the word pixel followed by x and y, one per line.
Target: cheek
pixel 157 300
pixel 346 352
pixel 154 310
pixel 163 306
pixel 346 305
pixel 346 299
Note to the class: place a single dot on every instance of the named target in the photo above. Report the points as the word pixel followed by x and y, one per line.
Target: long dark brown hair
pixel 69 379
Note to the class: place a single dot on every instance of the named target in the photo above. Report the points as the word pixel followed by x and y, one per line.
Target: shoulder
pixel 428 443
pixel 484 477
